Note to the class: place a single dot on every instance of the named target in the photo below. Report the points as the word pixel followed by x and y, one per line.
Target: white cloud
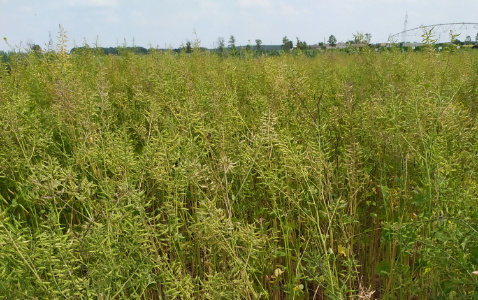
pixel 137 14
pixel 113 19
pixel 26 8
pixel 291 11
pixel 254 3
pixel 95 3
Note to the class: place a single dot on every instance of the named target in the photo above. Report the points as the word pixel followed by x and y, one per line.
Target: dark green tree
pixel 287 45
pixel 258 44
pixel 36 48
pixel 458 42
pixel 232 46
pixel 188 48
pixel 301 45
pixel 332 41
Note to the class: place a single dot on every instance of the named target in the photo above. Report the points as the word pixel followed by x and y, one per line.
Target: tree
pixel 220 44
pixel 232 42
pixel 188 48
pixel 359 38
pixel 476 38
pixel 332 41
pixel 301 45
pixel 36 48
pixel 368 38
pixel 258 44
pixel 232 45
pixel 468 40
pixel 287 45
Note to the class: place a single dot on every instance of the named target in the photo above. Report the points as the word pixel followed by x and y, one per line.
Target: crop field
pixel 206 176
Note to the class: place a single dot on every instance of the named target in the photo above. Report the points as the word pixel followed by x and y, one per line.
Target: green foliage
pixel 468 40
pixel 287 44
pixel 110 50
pixel 232 46
pixel 220 45
pixel 429 40
pixel 332 41
pixel 301 45
pixel 188 48
pixel 258 44
pixel 368 38
pixel 200 176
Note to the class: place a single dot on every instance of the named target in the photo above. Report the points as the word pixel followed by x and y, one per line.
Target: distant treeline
pixel 267 50
pixel 111 50
pixel 135 50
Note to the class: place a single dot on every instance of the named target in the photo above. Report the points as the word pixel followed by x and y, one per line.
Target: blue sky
pixel 170 23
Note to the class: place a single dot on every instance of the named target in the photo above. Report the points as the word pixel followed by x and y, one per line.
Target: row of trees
pixel 232 43
pixel 468 40
pixel 359 38
pixel 288 44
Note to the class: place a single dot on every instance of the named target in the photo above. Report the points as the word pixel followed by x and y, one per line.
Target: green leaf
pixel 384 192
pixel 279 254
pixel 388 235
pixel 383 268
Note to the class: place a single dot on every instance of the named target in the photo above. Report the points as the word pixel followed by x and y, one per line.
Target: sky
pixel 171 23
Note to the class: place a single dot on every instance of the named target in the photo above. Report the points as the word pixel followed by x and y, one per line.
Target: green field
pixel 201 176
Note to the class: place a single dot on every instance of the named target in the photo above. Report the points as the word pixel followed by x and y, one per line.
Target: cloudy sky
pixel 170 23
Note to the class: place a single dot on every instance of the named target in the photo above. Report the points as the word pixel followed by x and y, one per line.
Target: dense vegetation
pixel 199 176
